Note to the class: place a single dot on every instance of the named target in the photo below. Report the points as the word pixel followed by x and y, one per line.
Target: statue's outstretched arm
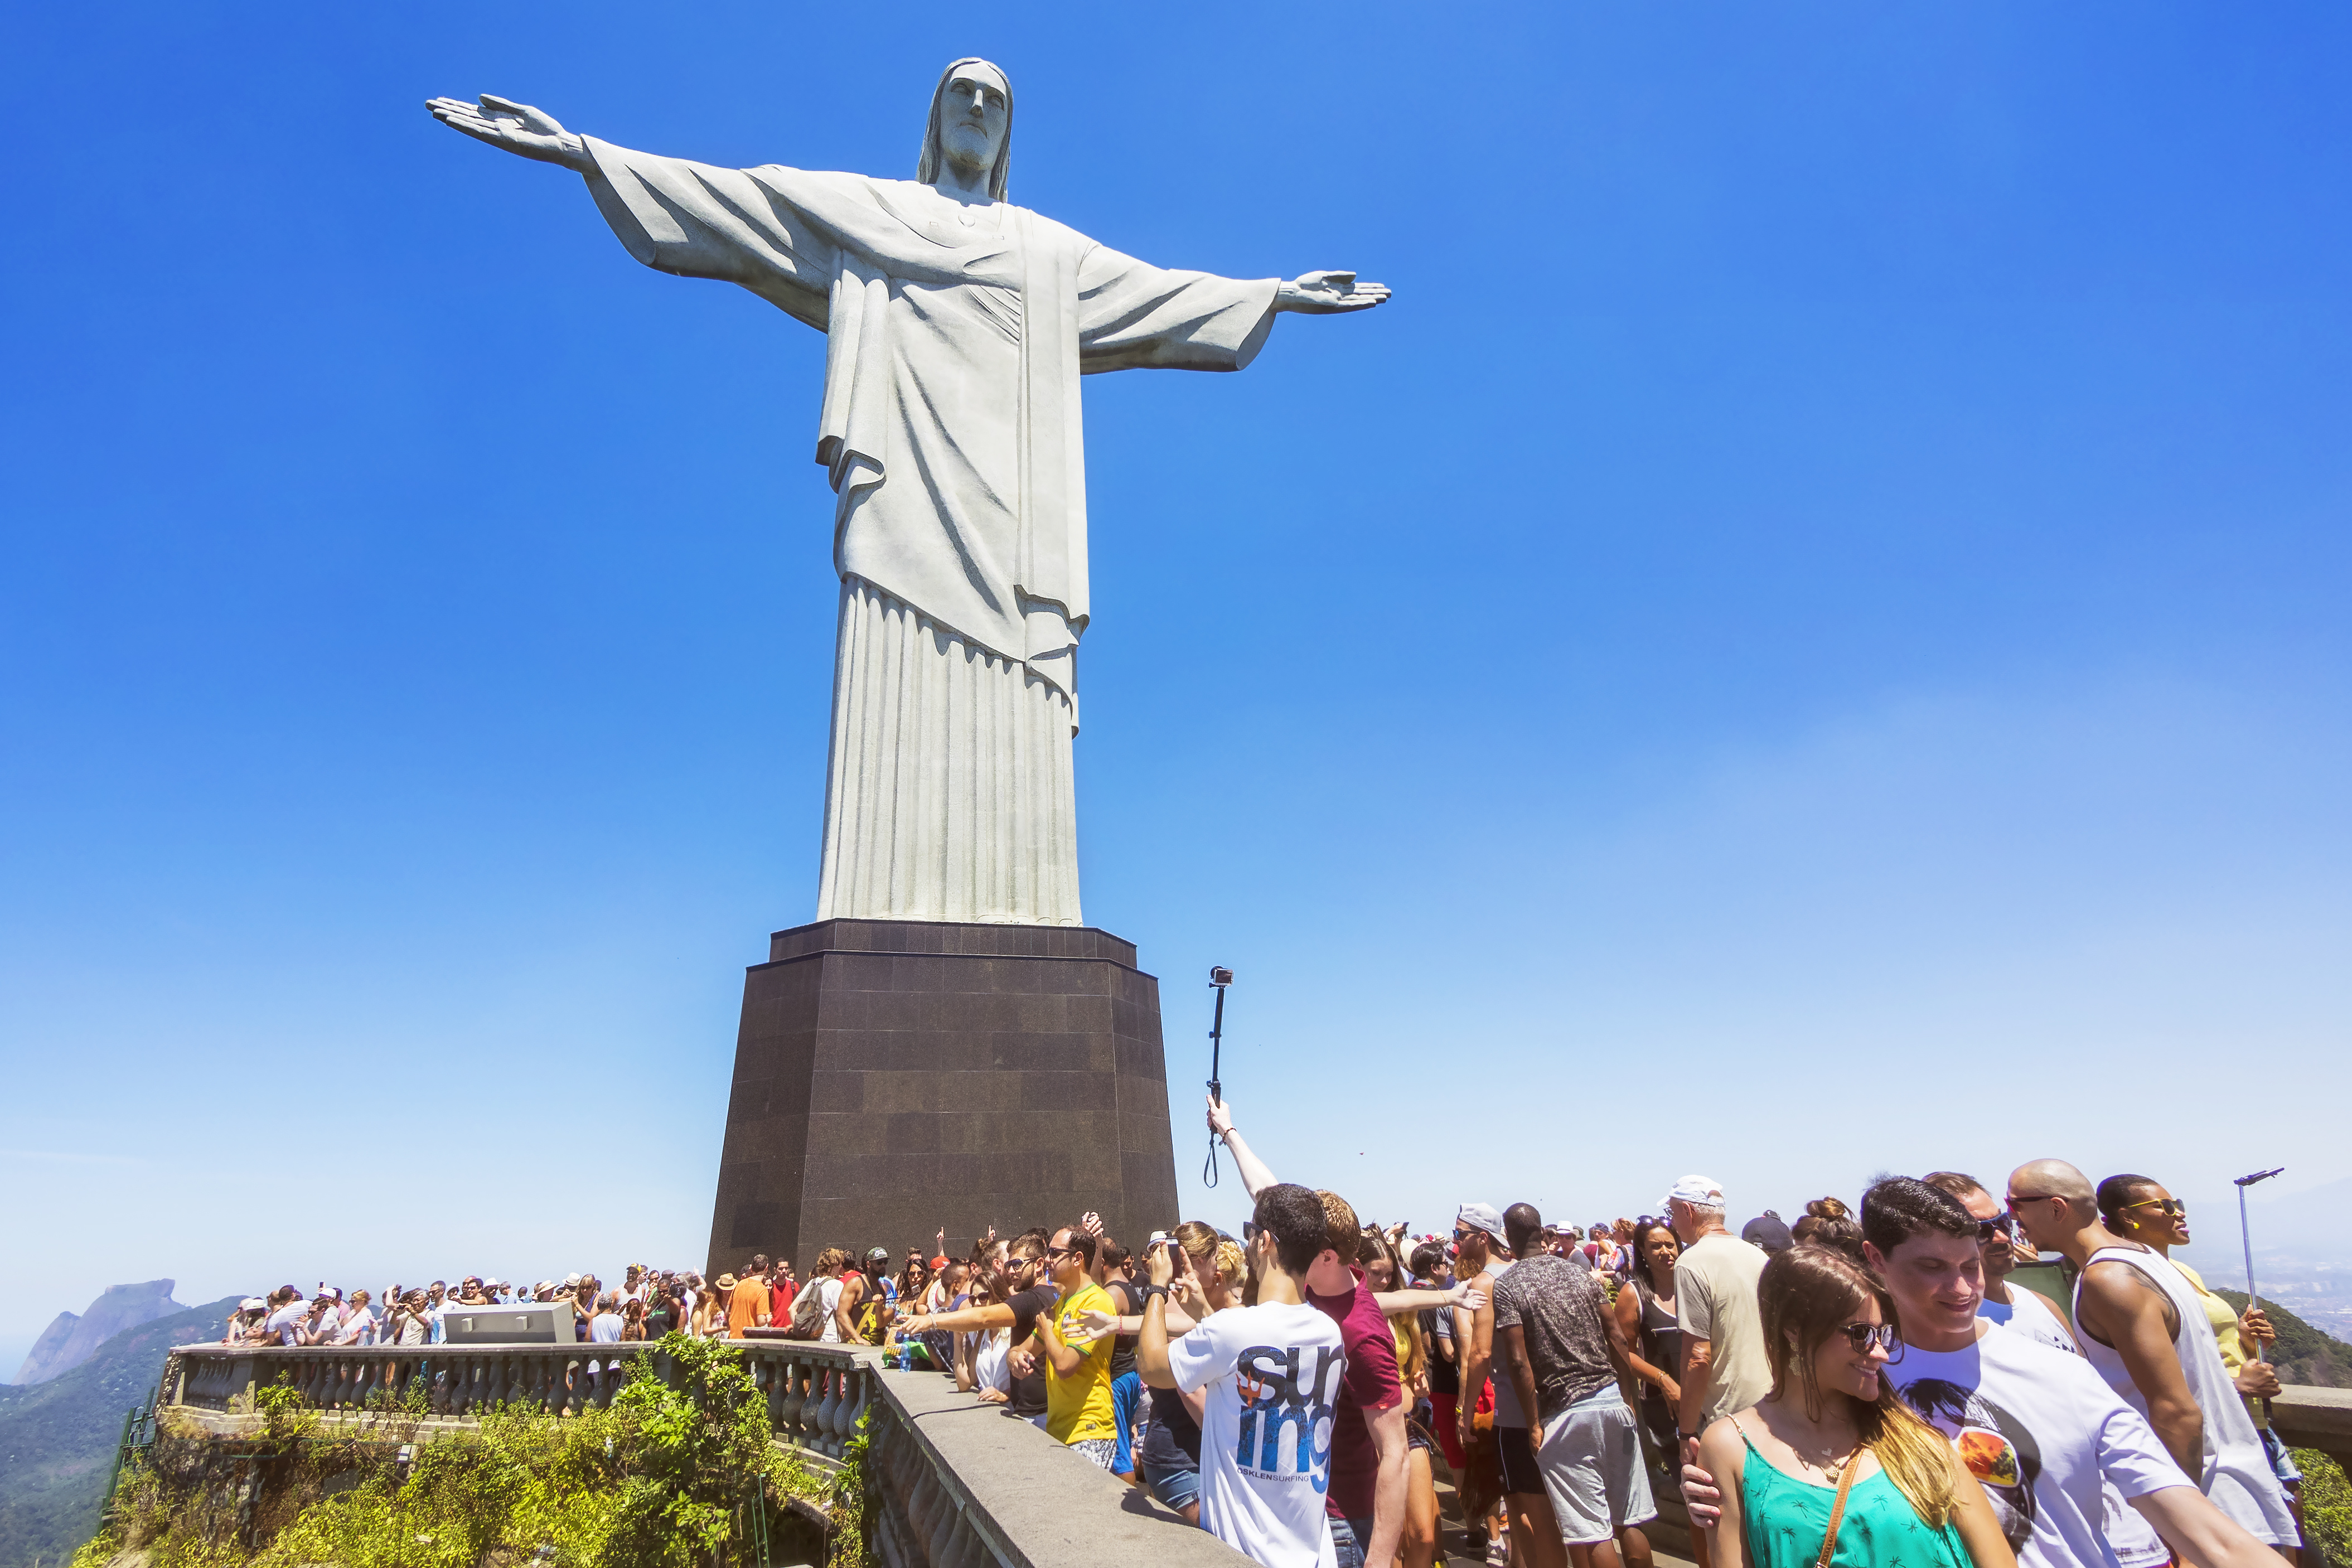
pixel 1313 293
pixel 517 127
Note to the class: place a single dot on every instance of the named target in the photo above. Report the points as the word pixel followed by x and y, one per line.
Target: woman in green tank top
pixel 1834 1470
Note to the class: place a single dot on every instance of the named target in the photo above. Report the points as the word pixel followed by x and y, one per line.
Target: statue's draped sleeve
pixel 698 221
pixel 1132 315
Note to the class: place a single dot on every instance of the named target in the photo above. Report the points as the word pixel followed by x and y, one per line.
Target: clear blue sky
pixel 1811 636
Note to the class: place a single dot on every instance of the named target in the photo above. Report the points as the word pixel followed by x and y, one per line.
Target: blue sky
pixel 1808 638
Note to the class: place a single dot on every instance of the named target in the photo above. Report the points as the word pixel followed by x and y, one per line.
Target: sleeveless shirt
pixel 2237 1473
pixel 1784 1520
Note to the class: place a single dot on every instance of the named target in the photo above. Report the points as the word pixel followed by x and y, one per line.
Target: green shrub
pixel 2327 1504
pixel 669 1477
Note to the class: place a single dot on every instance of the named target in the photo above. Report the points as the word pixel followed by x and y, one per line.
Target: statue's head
pixel 971 126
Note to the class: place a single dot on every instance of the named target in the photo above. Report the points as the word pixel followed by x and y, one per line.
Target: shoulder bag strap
pixel 1837 1509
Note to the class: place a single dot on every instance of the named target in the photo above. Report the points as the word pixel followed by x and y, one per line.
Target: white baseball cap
pixel 1703 1191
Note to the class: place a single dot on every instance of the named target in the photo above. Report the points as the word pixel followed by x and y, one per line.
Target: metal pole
pixel 1219 977
pixel 2246 1237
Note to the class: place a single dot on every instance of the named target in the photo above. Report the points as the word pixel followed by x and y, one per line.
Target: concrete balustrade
pixel 959 1484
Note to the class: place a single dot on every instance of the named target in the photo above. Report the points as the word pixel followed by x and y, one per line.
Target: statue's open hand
pixel 517 127
pixel 1328 293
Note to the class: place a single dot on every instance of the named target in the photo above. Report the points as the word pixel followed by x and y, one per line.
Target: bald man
pixel 2142 1326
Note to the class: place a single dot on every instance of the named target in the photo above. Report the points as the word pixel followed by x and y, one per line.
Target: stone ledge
pixel 1036 1504
pixel 2319 1418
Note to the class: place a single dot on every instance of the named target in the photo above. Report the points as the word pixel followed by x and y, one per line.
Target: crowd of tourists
pixel 1871 1384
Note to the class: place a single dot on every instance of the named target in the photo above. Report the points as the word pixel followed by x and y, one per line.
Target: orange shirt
pixel 743 1304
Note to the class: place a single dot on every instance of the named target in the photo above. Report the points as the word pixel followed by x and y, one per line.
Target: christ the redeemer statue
pixel 957 326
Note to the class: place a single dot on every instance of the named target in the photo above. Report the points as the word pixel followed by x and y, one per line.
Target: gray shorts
pixel 1593 1468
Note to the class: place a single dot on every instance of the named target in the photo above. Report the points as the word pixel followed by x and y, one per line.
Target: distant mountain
pixel 71 1341
pixel 58 1438
pixel 2304 1354
pixel 47 1358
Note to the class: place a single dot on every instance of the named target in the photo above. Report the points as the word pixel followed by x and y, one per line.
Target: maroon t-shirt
pixel 1371 1384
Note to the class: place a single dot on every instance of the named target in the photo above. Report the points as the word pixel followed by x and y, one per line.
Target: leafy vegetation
pixel 2327 1504
pixel 672 1475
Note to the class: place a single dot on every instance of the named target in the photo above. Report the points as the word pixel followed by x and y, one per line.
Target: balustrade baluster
pixel 788 1408
pixel 862 1383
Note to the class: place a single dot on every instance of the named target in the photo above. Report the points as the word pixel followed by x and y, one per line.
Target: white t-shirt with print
pixel 2028 1313
pixel 2042 1431
pixel 1271 1372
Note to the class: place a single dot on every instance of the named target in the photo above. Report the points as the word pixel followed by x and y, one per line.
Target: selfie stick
pixel 1220 978
pixel 2246 1236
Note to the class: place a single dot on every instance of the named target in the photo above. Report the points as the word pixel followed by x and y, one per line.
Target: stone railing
pixel 816 1394
pixel 961 1484
pixel 2318 1418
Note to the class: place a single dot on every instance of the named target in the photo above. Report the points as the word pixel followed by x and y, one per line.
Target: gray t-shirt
pixel 1558 1305
pixel 1715 1298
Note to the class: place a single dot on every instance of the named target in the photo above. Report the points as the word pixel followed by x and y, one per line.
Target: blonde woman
pixel 1832 1467
pixel 710 1318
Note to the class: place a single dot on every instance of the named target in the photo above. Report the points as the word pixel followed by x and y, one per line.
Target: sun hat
pixel 727 1281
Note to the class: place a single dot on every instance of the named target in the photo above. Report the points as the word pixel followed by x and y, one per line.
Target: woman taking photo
pixel 1832 1467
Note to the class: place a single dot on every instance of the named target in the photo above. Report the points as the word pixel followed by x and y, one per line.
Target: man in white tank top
pixel 2142 1329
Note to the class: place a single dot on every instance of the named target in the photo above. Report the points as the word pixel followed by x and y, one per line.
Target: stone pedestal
pixel 893 1076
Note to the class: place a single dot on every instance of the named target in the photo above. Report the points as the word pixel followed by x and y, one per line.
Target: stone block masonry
pixel 895 1077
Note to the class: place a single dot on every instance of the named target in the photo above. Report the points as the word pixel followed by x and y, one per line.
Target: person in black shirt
pixel 1020 1300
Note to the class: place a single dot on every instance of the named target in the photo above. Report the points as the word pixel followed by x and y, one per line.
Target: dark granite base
pixel 894 1077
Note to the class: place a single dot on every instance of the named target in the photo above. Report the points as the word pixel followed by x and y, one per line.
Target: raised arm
pixel 1256 1177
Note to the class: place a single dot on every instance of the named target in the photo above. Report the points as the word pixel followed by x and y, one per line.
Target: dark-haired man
pixel 1271 1374
pixel 1370 1451
pixel 2021 1310
pixel 1079 1412
pixel 1021 1299
pixel 1561 1350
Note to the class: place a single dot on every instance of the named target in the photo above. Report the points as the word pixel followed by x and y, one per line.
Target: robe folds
pixel 950 431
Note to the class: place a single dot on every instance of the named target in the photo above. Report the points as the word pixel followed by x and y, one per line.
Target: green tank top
pixel 1785 1519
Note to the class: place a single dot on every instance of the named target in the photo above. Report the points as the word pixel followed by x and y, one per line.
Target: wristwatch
pixel 1152 1290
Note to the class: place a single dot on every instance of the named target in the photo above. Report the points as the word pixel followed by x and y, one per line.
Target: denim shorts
pixel 1176 1486
pixel 1348 1537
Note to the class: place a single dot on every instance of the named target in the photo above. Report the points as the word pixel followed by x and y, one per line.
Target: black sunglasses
pixel 1861 1335
pixel 1989 1229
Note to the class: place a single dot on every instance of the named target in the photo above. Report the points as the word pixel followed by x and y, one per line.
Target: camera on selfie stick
pixel 1220 977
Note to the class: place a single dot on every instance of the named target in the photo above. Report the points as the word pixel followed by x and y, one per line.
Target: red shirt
pixel 781 1293
pixel 1370 1383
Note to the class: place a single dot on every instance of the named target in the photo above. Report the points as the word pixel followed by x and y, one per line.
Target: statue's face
pixel 972 119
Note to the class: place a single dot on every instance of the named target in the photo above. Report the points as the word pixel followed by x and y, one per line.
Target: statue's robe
pixel 955 337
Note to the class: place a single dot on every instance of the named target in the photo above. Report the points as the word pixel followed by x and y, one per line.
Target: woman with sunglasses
pixel 2138 1208
pixel 1832 1466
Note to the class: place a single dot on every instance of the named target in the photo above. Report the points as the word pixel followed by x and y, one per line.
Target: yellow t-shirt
pixel 2220 1314
pixel 1078 1408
